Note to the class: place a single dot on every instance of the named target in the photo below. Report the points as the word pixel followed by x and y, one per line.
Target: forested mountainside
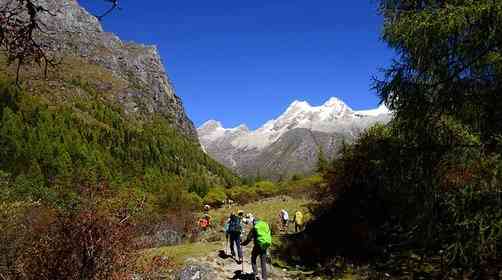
pixel 106 113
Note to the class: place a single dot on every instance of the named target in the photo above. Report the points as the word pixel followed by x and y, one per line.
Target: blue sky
pixel 246 61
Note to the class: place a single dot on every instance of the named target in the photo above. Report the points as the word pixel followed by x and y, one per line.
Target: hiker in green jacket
pixel 262 240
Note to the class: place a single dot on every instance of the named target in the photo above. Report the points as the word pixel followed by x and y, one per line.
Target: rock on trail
pixel 214 267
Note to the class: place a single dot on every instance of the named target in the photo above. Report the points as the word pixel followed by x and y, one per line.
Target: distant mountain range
pixel 290 143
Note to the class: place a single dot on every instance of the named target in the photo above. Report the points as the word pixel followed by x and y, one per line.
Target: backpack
pixel 263 235
pixel 299 218
pixel 203 223
pixel 235 224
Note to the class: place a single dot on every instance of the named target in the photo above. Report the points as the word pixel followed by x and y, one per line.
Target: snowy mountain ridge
pixel 290 143
pixel 332 116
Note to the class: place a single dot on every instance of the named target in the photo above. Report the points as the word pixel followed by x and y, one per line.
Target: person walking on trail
pixel 234 233
pixel 248 219
pixel 284 216
pixel 262 240
pixel 298 219
pixel 207 208
pixel 205 222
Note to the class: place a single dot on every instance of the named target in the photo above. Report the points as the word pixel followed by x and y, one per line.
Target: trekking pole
pixel 228 243
pixel 242 257
pixel 269 262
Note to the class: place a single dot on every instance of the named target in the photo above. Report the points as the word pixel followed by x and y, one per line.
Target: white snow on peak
pixel 381 110
pixel 334 102
pixel 211 124
pixel 241 127
pixel 211 130
pixel 300 114
pixel 298 106
pixel 332 116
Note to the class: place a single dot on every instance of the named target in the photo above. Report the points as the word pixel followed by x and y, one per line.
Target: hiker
pixel 298 219
pixel 284 217
pixel 248 219
pixel 207 208
pixel 205 222
pixel 228 203
pixel 234 233
pixel 262 240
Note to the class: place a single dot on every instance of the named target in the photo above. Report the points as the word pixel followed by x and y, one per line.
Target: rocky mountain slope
pixel 290 143
pixel 70 30
pixel 106 112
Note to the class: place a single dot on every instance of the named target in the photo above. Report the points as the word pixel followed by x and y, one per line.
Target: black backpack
pixel 235 224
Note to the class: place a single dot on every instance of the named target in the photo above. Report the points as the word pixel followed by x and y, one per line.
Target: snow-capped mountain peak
pixel 335 103
pixel 298 106
pixel 381 110
pixel 290 142
pixel 211 124
pixel 210 131
pixel 332 116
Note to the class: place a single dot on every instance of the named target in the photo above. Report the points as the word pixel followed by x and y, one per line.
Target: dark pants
pixel 285 225
pixel 257 251
pixel 298 227
pixel 235 237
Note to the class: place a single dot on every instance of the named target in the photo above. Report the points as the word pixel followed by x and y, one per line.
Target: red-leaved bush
pixel 85 244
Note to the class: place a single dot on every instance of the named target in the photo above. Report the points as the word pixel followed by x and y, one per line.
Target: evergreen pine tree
pixel 322 163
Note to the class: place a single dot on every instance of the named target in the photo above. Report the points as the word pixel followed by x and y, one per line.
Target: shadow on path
pixel 238 274
pixel 222 254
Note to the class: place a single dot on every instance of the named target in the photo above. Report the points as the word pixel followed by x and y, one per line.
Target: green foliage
pixel 322 162
pixel 266 188
pixel 263 189
pixel 384 196
pixel 242 194
pixel 215 197
pixel 79 175
pixel 303 186
pixel 297 177
pixel 428 182
pixel 445 91
pixel 52 150
pixel 450 63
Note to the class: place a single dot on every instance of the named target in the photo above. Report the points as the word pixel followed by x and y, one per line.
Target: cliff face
pixel 72 30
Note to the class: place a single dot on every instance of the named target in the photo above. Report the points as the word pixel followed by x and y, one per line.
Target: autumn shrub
pixel 84 244
pixel 19 222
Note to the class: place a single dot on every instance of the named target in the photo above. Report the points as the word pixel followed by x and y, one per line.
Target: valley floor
pixel 209 259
